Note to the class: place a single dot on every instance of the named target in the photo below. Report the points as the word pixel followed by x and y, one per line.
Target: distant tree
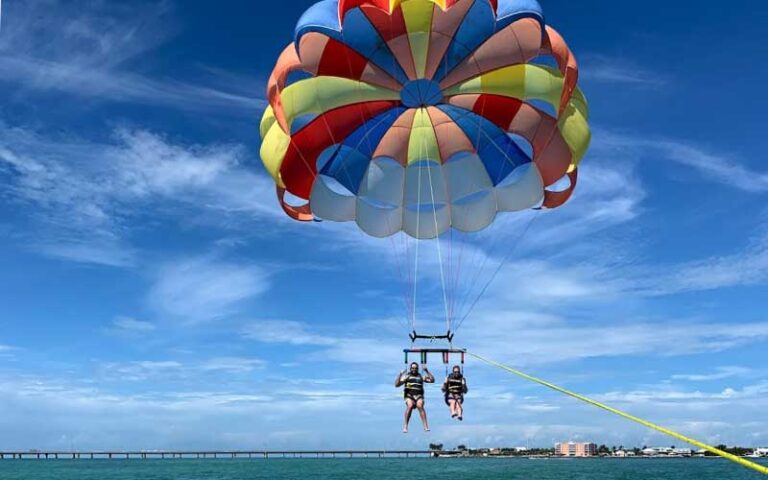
pixel 436 447
pixel 461 447
pixel 603 449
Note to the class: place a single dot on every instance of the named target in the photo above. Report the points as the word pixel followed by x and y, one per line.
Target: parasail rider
pixel 414 393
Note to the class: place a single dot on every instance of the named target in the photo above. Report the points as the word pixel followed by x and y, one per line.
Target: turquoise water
pixel 376 469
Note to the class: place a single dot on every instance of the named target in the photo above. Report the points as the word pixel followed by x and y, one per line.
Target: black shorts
pixel 414 396
pixel 458 397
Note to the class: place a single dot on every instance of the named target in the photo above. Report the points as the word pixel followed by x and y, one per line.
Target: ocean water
pixel 376 469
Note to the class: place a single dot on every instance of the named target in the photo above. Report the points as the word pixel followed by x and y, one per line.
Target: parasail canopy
pixel 426 117
pixel 423 115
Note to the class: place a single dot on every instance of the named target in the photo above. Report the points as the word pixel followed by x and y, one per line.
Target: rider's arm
pixel 399 381
pixel 428 378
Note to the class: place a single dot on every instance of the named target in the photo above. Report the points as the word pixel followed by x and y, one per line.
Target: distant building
pixel 761 452
pixel 624 453
pixel 656 451
pixel 572 449
pixel 682 452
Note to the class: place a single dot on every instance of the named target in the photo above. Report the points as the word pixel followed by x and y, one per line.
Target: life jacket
pixel 414 384
pixel 455 384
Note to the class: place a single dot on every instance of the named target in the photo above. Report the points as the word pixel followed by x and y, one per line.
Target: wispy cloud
pixel 97 56
pixel 234 364
pixel 721 373
pixel 558 340
pixel 174 370
pixel 749 267
pixel 601 68
pixel 84 194
pixel 7 350
pixel 715 166
pixel 673 395
pixel 536 338
pixel 132 326
pixel 285 332
pixel 198 290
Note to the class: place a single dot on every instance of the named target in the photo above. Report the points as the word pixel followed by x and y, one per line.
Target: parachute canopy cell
pixel 423 115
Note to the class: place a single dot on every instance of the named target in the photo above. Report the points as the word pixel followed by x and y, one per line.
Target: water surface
pixel 377 469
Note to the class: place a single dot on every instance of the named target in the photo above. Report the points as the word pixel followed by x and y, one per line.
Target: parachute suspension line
pixel 451 275
pixel 478 273
pixel 501 265
pixel 456 280
pixel 410 287
pixel 439 252
pixel 366 138
pixel 473 257
pixel 728 456
pixel 416 257
pixel 401 260
pixel 345 170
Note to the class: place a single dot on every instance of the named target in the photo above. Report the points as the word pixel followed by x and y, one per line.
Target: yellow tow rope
pixel 741 461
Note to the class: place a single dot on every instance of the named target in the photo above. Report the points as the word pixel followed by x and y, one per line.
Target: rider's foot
pixel 405 429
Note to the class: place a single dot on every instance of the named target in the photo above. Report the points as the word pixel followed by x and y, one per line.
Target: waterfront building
pixel 624 453
pixel 682 452
pixel 573 449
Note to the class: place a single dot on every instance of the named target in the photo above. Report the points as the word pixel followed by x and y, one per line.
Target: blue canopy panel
pixel 480 24
pixel 499 153
pixel 349 162
pixel 477 26
pixel 302 121
pixel 357 32
pixel 322 17
pixel 510 11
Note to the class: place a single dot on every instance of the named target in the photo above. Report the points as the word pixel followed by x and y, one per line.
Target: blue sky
pixel 154 296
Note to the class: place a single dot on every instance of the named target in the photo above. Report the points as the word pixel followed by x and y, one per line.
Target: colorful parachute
pixel 423 115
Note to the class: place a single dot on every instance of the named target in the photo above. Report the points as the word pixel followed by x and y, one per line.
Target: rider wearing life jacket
pixel 454 388
pixel 414 393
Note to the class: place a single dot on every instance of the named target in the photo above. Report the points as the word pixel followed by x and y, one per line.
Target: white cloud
pixel 198 290
pixel 7 350
pixel 142 370
pixel 540 408
pixel 748 267
pixel 98 55
pixel 695 398
pixel 177 371
pixel 715 166
pixel 234 364
pixel 286 332
pixel 721 373
pixel 601 68
pixel 495 333
pixel 534 337
pixel 84 195
pixel 127 324
pixel 99 251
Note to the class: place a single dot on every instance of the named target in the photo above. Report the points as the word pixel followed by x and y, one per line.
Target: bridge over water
pixel 215 454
